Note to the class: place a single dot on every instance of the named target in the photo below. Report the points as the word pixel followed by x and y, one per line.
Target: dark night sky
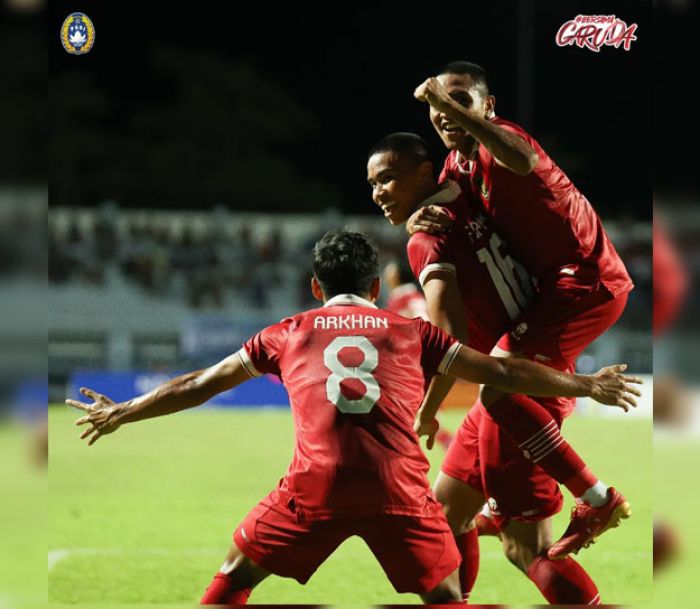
pixel 354 69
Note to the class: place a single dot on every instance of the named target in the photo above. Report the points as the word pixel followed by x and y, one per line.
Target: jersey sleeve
pixel 261 354
pixel 515 130
pixel 427 253
pixel 438 349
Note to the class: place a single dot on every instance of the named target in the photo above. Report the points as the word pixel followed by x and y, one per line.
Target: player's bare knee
pixel 520 554
pixel 243 572
pixel 447 591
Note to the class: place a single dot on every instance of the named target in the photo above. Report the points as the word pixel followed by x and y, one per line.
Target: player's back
pixel 356 376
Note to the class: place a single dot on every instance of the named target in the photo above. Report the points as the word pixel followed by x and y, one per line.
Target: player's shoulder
pixel 513 128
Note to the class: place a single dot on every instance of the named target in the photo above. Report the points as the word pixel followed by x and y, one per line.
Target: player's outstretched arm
pixel 508 149
pixel 514 375
pixel 186 391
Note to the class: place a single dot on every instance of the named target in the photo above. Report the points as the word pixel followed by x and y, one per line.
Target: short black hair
pixel 405 144
pixel 474 70
pixel 345 262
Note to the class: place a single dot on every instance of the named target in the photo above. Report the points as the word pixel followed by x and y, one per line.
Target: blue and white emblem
pixel 77 34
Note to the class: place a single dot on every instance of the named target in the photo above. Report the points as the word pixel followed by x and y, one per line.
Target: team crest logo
pixel 493 506
pixel 520 329
pixel 485 190
pixel 77 34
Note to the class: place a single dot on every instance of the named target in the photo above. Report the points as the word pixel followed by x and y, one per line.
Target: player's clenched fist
pixel 103 415
pixel 426 426
pixel 433 92
pixel 613 388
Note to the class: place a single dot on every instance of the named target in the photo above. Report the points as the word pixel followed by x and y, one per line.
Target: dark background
pixel 272 107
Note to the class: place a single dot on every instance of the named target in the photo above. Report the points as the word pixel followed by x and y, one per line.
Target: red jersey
pixel 549 225
pixel 670 281
pixel 495 288
pixel 356 376
pixel 408 301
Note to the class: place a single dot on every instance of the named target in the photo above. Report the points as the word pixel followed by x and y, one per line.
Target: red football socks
pixel 537 434
pixel 220 592
pixel 563 582
pixel 468 546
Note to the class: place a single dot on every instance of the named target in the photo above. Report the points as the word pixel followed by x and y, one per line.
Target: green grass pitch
pixel 145 516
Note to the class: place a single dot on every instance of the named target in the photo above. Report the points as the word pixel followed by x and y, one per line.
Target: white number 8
pixel 363 372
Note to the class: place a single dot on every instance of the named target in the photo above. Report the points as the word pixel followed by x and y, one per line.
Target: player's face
pixel 461 88
pixel 397 185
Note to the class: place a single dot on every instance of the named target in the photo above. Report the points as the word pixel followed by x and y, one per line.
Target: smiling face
pixel 399 184
pixel 463 89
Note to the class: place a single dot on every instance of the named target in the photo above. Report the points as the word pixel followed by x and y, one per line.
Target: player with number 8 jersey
pixel 344 359
pixel 356 376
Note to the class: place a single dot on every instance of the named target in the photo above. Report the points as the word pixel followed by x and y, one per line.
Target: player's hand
pixel 102 415
pixel 612 387
pixel 429 219
pixel 433 92
pixel 427 427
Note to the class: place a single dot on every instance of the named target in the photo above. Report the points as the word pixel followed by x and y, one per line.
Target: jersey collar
pixel 448 192
pixel 349 299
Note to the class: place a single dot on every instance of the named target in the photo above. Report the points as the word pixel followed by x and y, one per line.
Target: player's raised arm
pixel 508 149
pixel 514 375
pixel 186 391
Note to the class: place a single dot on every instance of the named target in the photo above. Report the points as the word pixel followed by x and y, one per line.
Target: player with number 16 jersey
pixel 495 288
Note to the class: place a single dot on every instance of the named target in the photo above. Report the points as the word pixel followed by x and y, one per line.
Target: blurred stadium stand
pixel 166 290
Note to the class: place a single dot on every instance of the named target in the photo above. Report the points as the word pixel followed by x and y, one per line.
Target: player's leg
pixel 235 580
pixel 418 554
pixel 531 425
pixel 555 330
pixel 271 540
pixel 448 591
pixel 561 582
pixel 458 489
pixel 460 503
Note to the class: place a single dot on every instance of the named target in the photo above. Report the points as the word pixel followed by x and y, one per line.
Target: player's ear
pixel 490 103
pixel 375 288
pixel 425 170
pixel 316 289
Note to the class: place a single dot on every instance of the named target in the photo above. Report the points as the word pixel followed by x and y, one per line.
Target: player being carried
pixel 356 376
pixel 477 291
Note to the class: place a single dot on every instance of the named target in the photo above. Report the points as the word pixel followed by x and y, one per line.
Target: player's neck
pixel 367 297
pixel 468 149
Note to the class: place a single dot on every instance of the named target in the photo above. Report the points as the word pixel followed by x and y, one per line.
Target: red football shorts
pixel 558 326
pixel 486 459
pixel 554 331
pixel 416 553
pixel 462 458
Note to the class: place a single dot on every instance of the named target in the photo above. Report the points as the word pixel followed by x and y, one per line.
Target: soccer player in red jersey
pixel 404 297
pixel 477 291
pixel 556 234
pixel 356 376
